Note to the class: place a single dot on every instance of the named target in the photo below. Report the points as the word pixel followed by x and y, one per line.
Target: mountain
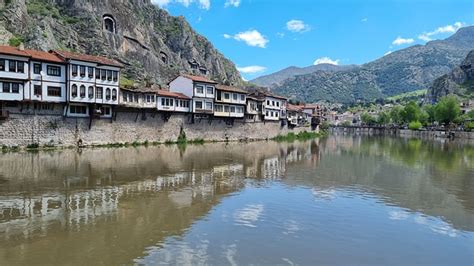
pixel 153 45
pixel 460 81
pixel 276 78
pixel 409 69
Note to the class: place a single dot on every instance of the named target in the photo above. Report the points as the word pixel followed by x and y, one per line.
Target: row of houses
pixel 79 85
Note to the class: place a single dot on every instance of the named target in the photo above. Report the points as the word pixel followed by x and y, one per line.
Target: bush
pixel 16 41
pixel 415 125
pixel 469 126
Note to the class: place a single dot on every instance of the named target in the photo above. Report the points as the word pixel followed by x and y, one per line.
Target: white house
pixel 201 90
pixel 274 107
pixel 47 78
pixel 173 102
pixel 230 101
pixel 92 84
pixel 13 73
pixel 139 98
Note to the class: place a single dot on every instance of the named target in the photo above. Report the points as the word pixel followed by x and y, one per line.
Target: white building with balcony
pixel 13 74
pixel 202 92
pixel 230 102
pixel 173 102
pixel 92 84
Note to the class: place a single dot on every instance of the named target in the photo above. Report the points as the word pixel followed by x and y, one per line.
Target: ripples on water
pixel 340 200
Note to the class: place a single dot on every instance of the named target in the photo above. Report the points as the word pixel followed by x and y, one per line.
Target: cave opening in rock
pixel 109 24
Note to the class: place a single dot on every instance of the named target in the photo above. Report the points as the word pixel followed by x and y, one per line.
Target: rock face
pixel 410 69
pixel 153 45
pixel 460 81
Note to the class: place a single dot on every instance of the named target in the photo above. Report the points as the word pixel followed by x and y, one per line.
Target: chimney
pixel 21 47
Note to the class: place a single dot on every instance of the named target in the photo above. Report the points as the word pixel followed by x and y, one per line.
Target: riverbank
pixel 431 134
pixel 22 131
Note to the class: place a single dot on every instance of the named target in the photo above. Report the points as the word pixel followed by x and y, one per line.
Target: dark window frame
pixel 53 91
pixel 37 68
pixel 54 71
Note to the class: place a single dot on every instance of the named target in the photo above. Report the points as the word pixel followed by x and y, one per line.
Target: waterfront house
pixel 201 90
pixel 295 116
pixel 13 76
pixel 230 102
pixel 173 102
pixel 92 84
pixel 273 106
pixel 143 98
pixel 253 112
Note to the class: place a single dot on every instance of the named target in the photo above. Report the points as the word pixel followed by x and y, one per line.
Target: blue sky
pixel 264 36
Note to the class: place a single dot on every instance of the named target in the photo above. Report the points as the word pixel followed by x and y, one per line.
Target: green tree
pixel 430 112
pixel 383 118
pixel 411 112
pixel 367 119
pixel 447 110
pixel 396 115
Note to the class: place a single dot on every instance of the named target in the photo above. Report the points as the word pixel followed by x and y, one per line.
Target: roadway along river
pixel 339 200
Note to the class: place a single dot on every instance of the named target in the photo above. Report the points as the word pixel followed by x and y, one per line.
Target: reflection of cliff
pixel 416 176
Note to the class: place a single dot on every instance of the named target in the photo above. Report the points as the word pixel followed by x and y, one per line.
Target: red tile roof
pixel 198 78
pixel 44 56
pixel 9 50
pixel 88 58
pixel 231 89
pixel 295 108
pixel 178 95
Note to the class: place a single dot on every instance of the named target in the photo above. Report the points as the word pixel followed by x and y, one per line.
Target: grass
pixel 407 95
pixel 304 135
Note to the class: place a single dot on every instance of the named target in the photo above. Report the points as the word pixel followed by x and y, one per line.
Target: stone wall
pixel 24 129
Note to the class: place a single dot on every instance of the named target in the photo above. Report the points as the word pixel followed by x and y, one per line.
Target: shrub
pixel 32 146
pixel 415 125
pixel 469 126
pixel 16 41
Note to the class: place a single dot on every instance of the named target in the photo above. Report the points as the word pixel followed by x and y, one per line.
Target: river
pixel 337 200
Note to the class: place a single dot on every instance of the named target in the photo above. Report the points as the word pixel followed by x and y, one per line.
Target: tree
pixel 396 114
pixel 383 118
pixel 367 119
pixel 430 112
pixel 411 112
pixel 447 110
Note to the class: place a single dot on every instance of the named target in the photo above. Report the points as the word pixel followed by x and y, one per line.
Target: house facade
pixel 92 84
pixel 202 92
pixel 14 75
pixel 253 112
pixel 173 102
pixel 145 98
pixel 230 102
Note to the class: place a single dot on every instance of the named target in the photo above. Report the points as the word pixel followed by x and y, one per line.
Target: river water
pixel 338 200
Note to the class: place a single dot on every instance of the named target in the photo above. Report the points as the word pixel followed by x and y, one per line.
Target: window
pixel 240 110
pixel 105 111
pixel 268 102
pixel 198 105
pixel 115 75
pixel 74 91
pixel 232 109
pixel 82 91
pixel 242 97
pixel 234 97
pixel 124 97
pixel 97 73
pixel 12 65
pixel 37 68
pixel 103 74
pixel 53 71
pixel 199 89
pixel 6 87
pixel 210 90
pixel 208 106
pixel 278 104
pixel 99 91
pixel 107 94
pixel 90 72
pixel 226 108
pixel 137 97
pixel 273 103
pixel 74 70
pixel 226 96
pixel 82 69
pixel 54 91
pixel 20 67
pixel 266 113
pixel 78 109
pixel 91 92
pixel 114 95
pixel 2 64
pixel 219 108
pixel 109 75
pixel 37 90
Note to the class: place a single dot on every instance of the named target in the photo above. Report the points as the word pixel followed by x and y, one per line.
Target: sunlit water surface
pixel 339 200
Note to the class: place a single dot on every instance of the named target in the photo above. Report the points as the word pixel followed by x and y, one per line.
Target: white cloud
pixel 387 53
pixel 427 36
pixel 364 20
pixel 280 34
pixel 251 69
pixel 295 25
pixel 234 3
pixel 400 41
pixel 326 60
pixel 250 37
pixel 203 4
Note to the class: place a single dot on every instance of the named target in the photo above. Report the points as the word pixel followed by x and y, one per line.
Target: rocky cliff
pixel 406 70
pixel 153 45
pixel 460 81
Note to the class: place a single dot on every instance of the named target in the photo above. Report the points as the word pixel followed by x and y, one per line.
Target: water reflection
pixel 175 204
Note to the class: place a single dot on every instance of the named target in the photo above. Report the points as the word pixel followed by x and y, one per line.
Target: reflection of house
pixel 201 90
pixel 230 101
